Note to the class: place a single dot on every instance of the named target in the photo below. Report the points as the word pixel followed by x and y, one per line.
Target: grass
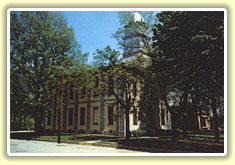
pixel 75 138
pixel 64 138
pixel 200 141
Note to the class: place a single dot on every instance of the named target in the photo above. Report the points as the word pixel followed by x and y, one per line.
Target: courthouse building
pixel 95 113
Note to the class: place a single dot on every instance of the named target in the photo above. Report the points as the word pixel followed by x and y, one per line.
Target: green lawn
pixel 76 138
pixel 64 138
pixel 195 142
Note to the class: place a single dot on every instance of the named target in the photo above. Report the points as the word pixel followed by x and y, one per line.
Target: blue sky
pixel 93 29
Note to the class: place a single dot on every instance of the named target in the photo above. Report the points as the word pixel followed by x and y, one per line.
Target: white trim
pixel 118 9
pixel 225 83
pixel 117 154
pixel 8 82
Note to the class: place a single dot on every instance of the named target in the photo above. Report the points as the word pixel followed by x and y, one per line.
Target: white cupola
pixel 136 17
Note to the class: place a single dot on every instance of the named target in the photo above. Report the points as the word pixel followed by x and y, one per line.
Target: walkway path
pixel 32 146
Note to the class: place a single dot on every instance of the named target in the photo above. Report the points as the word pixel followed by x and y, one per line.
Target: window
pixel 71 92
pixel 135 116
pixel 70 121
pixel 134 89
pixel 163 116
pixel 95 115
pixel 110 115
pixel 82 116
pixel 49 117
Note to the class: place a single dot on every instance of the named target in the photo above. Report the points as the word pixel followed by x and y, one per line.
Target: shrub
pixel 138 133
pixel 134 133
pixel 141 132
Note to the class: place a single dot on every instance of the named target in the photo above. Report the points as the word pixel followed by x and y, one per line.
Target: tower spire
pixel 132 41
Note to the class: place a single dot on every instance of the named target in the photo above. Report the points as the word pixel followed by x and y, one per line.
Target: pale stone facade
pixel 94 114
pixel 89 115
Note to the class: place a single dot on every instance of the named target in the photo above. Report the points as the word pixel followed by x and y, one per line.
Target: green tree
pixel 106 57
pixel 190 44
pixel 120 80
pixel 149 101
pixel 124 87
pixel 140 31
pixel 41 45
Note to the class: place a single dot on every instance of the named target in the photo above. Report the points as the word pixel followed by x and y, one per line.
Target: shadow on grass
pixel 169 145
pixel 150 144
pixel 200 144
pixel 22 135
pixel 91 137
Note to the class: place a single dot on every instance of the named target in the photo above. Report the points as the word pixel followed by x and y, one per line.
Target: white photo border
pixel 117 9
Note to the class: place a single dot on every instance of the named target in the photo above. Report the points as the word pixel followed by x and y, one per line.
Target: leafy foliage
pixel 190 56
pixel 106 57
pixel 142 29
pixel 41 45
pixel 139 133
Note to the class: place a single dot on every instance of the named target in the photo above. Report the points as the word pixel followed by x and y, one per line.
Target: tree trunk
pixel 38 122
pixel 183 104
pixel 127 124
pixel 196 118
pixel 24 122
pixel 195 101
pixel 215 117
pixel 200 118
pixel 173 115
pixel 174 130
pixel 173 120
pixel 38 129
pixel 13 122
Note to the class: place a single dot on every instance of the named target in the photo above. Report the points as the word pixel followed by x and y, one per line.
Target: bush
pixel 138 133
pixel 141 133
pixel 134 133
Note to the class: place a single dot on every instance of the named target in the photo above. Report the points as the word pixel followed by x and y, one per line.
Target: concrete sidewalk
pixel 33 146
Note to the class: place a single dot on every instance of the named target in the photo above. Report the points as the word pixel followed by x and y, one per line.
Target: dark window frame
pixel 96 108
pixel 135 116
pixel 49 117
pixel 82 115
pixel 110 115
pixel 70 116
pixel 163 122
